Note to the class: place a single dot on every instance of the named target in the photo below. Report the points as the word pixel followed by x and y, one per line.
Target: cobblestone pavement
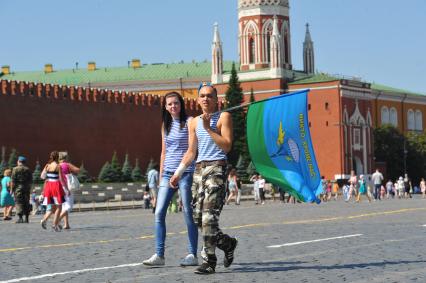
pixel 332 242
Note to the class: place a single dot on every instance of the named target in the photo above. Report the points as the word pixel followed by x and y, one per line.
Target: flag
pixel 280 144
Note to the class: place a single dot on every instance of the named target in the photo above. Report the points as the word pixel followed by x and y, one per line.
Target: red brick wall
pixel 88 123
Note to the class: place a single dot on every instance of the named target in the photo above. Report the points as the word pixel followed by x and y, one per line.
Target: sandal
pixel 43 224
pixel 56 228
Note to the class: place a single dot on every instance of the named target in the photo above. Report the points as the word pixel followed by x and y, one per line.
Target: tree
pixel 36 174
pixel 389 148
pixel 83 175
pixel 234 97
pixel 106 175
pixel 416 156
pixel 126 172
pixel 137 172
pixel 151 165
pixel 13 158
pixel 251 169
pixel 241 167
pixel 115 168
pixel 3 164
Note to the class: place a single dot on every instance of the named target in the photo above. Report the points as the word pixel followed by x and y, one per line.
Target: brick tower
pixel 256 34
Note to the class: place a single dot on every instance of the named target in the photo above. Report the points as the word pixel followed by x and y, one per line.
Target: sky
pixel 381 41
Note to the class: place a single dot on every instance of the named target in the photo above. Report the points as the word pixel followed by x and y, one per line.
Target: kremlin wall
pixel 89 123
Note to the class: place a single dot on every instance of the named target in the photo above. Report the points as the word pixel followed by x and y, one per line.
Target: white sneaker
pixel 189 260
pixel 155 260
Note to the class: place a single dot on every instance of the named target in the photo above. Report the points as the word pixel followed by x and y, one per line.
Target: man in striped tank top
pixel 210 136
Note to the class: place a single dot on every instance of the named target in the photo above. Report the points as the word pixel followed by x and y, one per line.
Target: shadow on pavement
pixel 287 266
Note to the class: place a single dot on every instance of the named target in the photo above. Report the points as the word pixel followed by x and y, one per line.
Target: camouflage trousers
pixel 208 195
pixel 22 203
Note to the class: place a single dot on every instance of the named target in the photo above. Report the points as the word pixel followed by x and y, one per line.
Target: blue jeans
pixel 165 194
pixel 377 188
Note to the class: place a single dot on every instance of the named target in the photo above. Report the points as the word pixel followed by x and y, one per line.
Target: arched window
pixel 249 44
pixel 266 41
pixel 393 117
pixel 419 120
pixel 285 33
pixel 410 120
pixel 385 115
pixel 252 50
pixel 268 48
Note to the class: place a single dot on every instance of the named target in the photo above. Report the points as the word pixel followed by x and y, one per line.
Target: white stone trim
pixel 357 94
pixel 315 88
pixel 357 119
pixel 369 119
pixel 399 97
pixel 263 10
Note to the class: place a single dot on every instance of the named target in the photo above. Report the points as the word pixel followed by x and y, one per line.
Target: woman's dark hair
pixel 53 157
pixel 167 118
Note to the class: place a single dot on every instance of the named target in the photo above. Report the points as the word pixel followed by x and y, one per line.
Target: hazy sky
pixel 382 41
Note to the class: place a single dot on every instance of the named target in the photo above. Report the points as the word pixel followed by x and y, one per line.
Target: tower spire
pixel 217 57
pixel 308 53
pixel 276 50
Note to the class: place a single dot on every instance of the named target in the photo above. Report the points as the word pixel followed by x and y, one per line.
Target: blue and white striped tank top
pixel 176 146
pixel 207 148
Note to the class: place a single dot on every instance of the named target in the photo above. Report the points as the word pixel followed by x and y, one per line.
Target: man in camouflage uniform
pixel 210 139
pixel 21 180
pixel 208 191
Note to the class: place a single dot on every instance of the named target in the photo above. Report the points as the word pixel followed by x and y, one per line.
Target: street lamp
pixel 405 155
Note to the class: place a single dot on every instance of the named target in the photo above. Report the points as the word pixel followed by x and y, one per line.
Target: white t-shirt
pixel 377 178
pixel 261 183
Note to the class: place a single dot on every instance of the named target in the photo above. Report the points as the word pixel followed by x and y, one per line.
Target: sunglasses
pixel 203 84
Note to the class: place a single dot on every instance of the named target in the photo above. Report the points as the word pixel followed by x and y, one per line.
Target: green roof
pixel 118 74
pixel 316 78
pixel 392 89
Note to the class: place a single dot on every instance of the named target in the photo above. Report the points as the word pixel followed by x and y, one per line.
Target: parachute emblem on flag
pixel 287 147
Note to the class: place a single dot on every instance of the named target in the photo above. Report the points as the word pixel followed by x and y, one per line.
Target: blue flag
pixel 280 144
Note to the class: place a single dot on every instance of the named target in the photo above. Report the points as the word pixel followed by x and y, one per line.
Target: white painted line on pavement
pixel 424 225
pixel 70 272
pixel 313 241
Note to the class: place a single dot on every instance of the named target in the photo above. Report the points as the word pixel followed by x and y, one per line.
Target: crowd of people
pixel 193 176
pixel 372 187
pixel 56 197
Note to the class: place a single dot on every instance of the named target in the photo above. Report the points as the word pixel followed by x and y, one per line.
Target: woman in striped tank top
pixel 210 139
pixel 174 132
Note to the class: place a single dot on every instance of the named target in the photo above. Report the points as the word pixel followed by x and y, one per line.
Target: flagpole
pixel 254 102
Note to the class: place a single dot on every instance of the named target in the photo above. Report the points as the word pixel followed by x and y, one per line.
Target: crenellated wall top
pixel 85 94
